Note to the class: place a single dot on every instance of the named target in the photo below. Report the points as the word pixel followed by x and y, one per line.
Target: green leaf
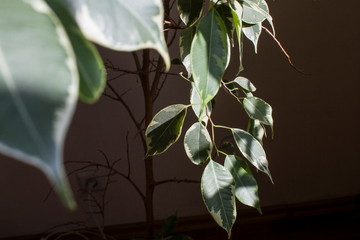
pixel 165 129
pixel 258 109
pixel 256 129
pixel 197 143
pixel 252 150
pixel 227 17
pixel 209 56
pixel 217 188
pixel 200 112
pixel 185 41
pixel 253 33
pixel 89 62
pixel 256 12
pixel 190 10
pixel 124 25
pixel 246 188
pixel 237 12
pixel 38 88
pixel 245 84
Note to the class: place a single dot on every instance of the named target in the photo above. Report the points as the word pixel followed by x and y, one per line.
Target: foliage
pixel 39 85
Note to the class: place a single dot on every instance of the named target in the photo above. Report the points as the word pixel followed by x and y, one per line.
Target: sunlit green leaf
pixel 202 113
pixel 89 62
pixel 217 188
pixel 246 188
pixel 185 41
pixel 258 109
pixel 237 12
pixel 257 12
pixel 252 150
pixel 253 33
pixel 256 129
pixel 190 10
pixel 245 84
pixel 209 55
pixel 125 25
pixel 38 88
pixel 197 143
pixel 165 129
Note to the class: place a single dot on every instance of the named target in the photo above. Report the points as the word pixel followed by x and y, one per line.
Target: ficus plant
pixel 48 62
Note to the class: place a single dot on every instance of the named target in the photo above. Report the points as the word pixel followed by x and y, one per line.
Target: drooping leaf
pixel 124 25
pixel 198 144
pixel 202 113
pixel 38 88
pixel 252 150
pixel 256 129
pixel 245 84
pixel 217 188
pixel 209 55
pixel 237 12
pixel 185 41
pixel 257 11
pixel 246 188
pixel 190 11
pixel 253 33
pixel 89 62
pixel 165 129
pixel 227 17
pixel 258 109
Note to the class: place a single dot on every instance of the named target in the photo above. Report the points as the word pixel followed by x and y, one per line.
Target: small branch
pixel 285 53
pixel 174 180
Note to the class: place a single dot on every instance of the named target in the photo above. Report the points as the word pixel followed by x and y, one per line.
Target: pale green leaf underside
pixel 251 149
pixel 209 55
pixel 257 11
pixel 246 188
pixel 217 188
pixel 165 129
pixel 89 62
pixel 197 143
pixel 253 33
pixel 38 88
pixel 125 25
pixel 201 112
pixel 245 84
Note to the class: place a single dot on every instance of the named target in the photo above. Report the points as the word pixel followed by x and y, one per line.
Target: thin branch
pixel 284 52
pixel 174 180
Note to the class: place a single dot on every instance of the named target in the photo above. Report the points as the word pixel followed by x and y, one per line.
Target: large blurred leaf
pixel 201 112
pixel 165 129
pixel 253 33
pixel 217 188
pixel 89 62
pixel 197 143
pixel 209 55
pixel 258 109
pixel 185 41
pixel 38 88
pixel 246 188
pixel 252 150
pixel 124 25
pixel 190 10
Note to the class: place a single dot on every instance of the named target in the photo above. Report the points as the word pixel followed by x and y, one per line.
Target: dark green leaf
pixel 197 143
pixel 38 88
pixel 209 56
pixel 237 12
pixel 252 150
pixel 227 17
pixel 185 41
pixel 165 129
pixel 217 188
pixel 190 10
pixel 246 188
pixel 89 62
pixel 258 109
